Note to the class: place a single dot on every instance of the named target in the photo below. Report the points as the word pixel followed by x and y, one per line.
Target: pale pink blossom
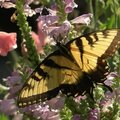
pixel 7 42
pixel 37 42
pixel 40 40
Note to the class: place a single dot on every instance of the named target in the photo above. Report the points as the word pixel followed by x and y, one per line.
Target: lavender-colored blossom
pixel 68 1
pixel 94 114
pixel 28 11
pixel 7 4
pixel 14 79
pixel 117 94
pixel 61 30
pixel 53 6
pixel 42 111
pixel 8 106
pixel 48 19
pixel 18 117
pixel 79 98
pixel 70 5
pixel 105 104
pixel 14 82
pixel 109 95
pixel 51 28
pixel 56 103
pixel 47 110
pixel 83 19
pixel 76 117
pixel 54 29
pixel 109 79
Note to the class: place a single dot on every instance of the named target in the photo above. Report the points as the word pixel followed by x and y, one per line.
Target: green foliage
pixel 26 33
pixel 66 113
pixel 106 14
pixel 3 117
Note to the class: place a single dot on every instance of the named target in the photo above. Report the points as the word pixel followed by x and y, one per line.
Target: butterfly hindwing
pixel 72 69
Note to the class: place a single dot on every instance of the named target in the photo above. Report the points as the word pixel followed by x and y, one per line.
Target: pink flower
pixel 37 42
pixel 40 40
pixel 7 42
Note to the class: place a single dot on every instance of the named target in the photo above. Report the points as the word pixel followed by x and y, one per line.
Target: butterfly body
pixel 72 69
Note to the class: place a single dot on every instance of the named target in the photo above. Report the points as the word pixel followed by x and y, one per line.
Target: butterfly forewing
pixel 88 48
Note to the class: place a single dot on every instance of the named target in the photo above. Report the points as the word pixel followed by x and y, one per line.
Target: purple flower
pixel 28 11
pixel 109 95
pixel 48 19
pixel 117 93
pixel 46 111
pixel 52 28
pixel 94 114
pixel 109 79
pixel 83 19
pixel 7 4
pixel 76 117
pixel 56 30
pixel 18 117
pixel 79 98
pixel 42 111
pixel 105 104
pixel 14 79
pixel 68 1
pixel 15 84
pixel 8 107
pixel 56 103
pixel 60 30
pixel 70 5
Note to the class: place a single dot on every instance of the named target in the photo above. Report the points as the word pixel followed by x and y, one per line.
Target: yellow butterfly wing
pixel 72 69
pixel 44 83
pixel 91 50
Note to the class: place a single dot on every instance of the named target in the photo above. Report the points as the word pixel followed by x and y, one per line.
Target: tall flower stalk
pixel 26 33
